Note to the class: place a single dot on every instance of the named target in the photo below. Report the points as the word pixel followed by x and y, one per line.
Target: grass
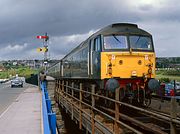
pixel 159 76
pixel 21 71
pixel 3 75
pixel 164 75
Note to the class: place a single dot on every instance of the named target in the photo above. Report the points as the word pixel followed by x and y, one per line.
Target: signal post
pixel 44 48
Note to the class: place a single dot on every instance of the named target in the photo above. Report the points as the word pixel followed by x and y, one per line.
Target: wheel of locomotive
pixel 111 86
pixel 147 100
pixel 108 103
pixel 122 94
pixel 87 88
pixel 141 98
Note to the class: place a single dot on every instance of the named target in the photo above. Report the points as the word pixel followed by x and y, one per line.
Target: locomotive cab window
pixel 115 42
pixel 141 42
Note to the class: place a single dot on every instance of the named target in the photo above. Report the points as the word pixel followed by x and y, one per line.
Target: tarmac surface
pixel 21 112
pixel 8 95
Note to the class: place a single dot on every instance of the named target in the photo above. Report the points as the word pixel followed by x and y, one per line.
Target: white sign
pixel 113 57
pixel 146 57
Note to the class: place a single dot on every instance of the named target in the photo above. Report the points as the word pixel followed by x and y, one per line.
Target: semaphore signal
pixel 44 48
pixel 43 37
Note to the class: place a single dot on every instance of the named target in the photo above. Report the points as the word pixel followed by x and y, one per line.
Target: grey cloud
pixel 146 8
pixel 22 20
pixel 63 17
pixel 163 11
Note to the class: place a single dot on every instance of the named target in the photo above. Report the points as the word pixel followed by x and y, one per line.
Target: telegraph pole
pixel 44 49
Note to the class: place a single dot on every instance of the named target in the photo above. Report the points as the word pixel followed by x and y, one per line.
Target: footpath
pixel 23 116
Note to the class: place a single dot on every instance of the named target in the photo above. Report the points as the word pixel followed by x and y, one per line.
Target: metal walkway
pixel 23 116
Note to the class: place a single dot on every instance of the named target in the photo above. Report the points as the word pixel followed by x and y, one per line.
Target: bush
pixel 21 71
pixel 166 80
pixel 172 72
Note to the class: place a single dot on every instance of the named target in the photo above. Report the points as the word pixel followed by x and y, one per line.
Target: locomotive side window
pixel 140 42
pixel 115 42
pixel 97 44
pixel 92 45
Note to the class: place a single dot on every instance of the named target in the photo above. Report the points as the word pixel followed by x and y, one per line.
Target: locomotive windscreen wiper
pixel 117 39
pixel 137 40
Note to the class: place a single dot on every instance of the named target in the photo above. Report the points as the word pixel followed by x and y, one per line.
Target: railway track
pixel 124 118
pixel 162 113
pixel 144 122
pixel 163 105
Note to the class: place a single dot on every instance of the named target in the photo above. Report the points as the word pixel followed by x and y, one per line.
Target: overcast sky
pixel 69 22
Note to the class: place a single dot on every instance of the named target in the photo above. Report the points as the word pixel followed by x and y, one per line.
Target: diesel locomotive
pixel 120 56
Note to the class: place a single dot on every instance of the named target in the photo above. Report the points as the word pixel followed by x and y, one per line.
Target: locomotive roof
pixel 121 28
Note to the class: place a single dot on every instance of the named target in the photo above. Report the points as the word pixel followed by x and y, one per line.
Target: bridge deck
pixel 23 116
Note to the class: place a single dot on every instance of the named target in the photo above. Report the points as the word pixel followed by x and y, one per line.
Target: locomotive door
pixel 94 58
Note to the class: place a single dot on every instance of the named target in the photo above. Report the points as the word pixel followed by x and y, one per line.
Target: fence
pixel 33 79
pixel 72 99
pixel 77 108
pixel 49 118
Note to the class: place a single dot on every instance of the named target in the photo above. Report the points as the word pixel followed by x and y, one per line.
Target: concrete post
pixel 116 128
pixel 173 115
pixel 80 107
pixel 72 106
pixel 92 110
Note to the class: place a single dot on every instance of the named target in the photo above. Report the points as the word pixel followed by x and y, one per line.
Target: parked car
pixel 16 83
pixel 177 88
pixel 178 85
pixel 3 80
pixel 169 89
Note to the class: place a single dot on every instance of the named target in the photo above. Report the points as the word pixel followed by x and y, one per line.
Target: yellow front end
pixel 127 64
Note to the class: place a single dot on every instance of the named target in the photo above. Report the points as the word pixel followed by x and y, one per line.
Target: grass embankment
pixel 168 75
pixel 21 71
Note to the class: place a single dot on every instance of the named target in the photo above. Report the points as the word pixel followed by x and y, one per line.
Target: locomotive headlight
pixel 110 64
pixel 134 73
pixel 150 71
pixel 110 68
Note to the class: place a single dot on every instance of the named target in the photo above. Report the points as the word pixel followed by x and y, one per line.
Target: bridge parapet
pixel 49 117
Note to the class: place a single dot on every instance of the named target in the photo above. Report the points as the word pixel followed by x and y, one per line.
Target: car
pixel 177 88
pixel 169 89
pixel 17 83
pixel 178 85
pixel 3 80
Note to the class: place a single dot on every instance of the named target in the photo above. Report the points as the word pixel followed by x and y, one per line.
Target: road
pixel 8 95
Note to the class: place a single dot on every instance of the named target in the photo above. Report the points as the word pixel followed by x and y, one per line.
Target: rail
pixel 166 98
pixel 72 98
pixel 49 118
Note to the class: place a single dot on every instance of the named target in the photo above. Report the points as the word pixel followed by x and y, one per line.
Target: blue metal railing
pixel 49 118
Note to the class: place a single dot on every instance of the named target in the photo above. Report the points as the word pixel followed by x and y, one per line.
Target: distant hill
pixel 168 62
